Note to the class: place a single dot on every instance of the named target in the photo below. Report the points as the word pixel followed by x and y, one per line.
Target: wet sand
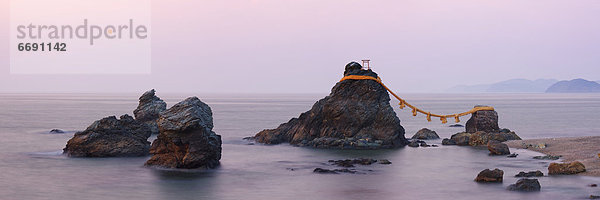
pixel 583 149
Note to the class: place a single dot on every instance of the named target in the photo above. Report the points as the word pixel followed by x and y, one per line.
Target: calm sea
pixel 32 167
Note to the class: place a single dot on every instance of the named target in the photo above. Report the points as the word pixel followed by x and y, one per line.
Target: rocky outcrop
pixel 482 138
pixel 566 168
pixel 497 148
pixel 526 185
pixel 186 139
pixel 484 120
pixel 488 175
pixel 356 115
pixel 461 139
pixel 110 137
pixel 425 134
pixel 148 110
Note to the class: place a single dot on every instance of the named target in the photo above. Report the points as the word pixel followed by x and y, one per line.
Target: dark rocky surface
pixel 425 134
pixel 566 168
pixel 351 163
pixel 333 171
pixel 148 110
pixel 186 139
pixel 497 148
pixel 356 115
pixel 488 175
pixel 526 185
pixel 110 137
pixel 530 174
pixel 485 120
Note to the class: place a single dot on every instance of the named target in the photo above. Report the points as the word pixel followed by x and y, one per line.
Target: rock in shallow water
pixel 566 168
pixel 333 171
pixel 110 137
pixel 488 175
pixel 356 115
pixel 530 174
pixel 425 134
pixel 497 148
pixel 149 109
pixel 186 139
pixel 526 185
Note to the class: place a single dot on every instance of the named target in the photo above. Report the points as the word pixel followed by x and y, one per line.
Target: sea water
pixel 32 165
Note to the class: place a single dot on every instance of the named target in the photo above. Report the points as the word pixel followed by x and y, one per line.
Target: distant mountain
pixel 575 86
pixel 513 85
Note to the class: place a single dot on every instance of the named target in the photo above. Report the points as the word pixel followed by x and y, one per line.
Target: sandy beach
pixel 583 149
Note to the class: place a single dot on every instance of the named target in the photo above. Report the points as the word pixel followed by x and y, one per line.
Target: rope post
pixel 366 63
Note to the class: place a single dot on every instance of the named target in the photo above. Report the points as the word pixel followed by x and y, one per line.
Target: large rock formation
pixel 110 137
pixel 356 115
pixel 186 139
pixel 148 110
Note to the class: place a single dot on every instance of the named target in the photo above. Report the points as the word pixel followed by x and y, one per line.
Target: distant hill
pixel 574 86
pixel 508 86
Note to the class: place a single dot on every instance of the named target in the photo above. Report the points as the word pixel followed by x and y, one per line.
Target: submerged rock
pixel 351 163
pixel 547 157
pixel 488 175
pixel 384 162
pixel 456 125
pixel 356 115
pixel 484 120
pixel 566 168
pixel 333 171
pixel 425 134
pixel 56 131
pixel 149 109
pixel 526 185
pixel 110 137
pixel 530 174
pixel 186 139
pixel 497 148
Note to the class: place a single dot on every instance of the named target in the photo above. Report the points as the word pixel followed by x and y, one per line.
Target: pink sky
pixel 273 46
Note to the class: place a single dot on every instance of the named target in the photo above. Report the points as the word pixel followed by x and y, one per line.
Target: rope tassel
pixel 414 112
pixel 456 119
pixel 443 119
pixel 428 116
pixel 402 104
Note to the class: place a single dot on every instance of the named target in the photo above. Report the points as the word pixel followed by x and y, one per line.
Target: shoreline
pixel 582 149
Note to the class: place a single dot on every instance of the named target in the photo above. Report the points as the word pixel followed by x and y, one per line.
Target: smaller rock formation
pixel 488 175
pixel 530 174
pixel 148 110
pixel 425 134
pixel 526 185
pixel 484 120
pixel 497 148
pixel 456 125
pixel 566 168
pixel 481 128
pixel 110 137
pixel 186 139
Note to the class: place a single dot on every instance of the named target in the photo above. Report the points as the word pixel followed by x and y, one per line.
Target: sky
pixel 302 46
